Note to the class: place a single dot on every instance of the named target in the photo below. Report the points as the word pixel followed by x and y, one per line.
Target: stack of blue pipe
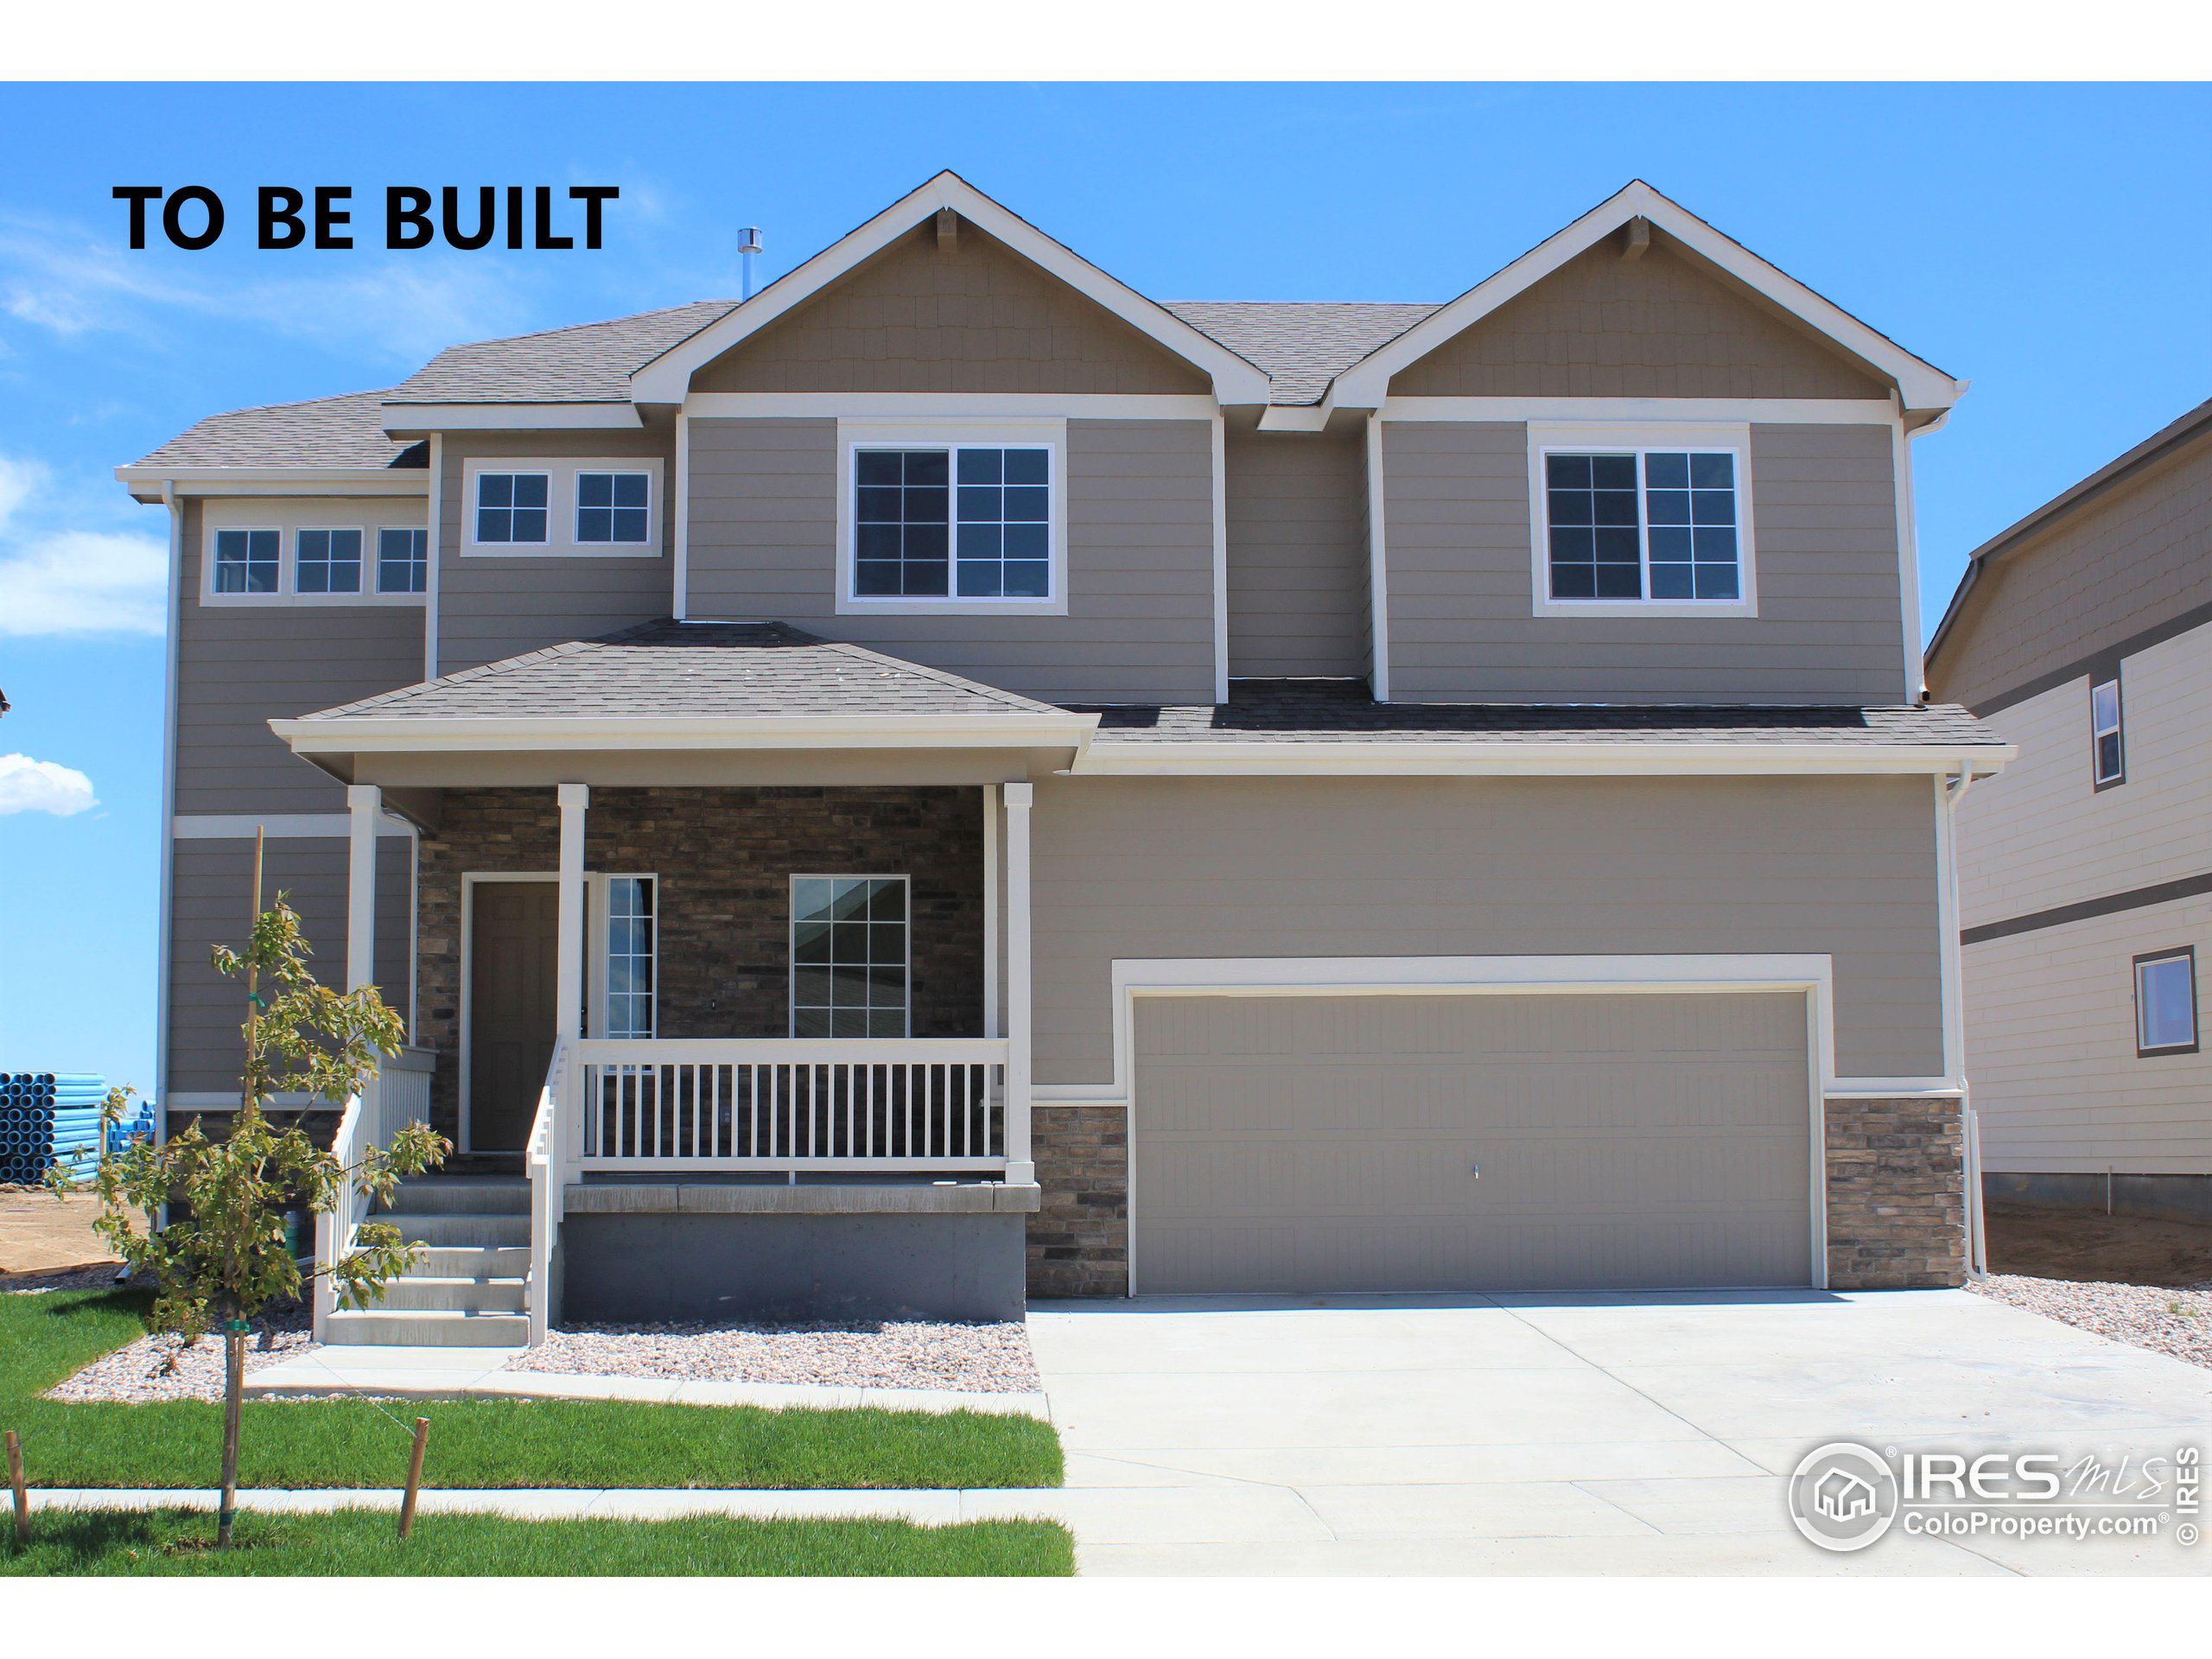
pixel 48 1118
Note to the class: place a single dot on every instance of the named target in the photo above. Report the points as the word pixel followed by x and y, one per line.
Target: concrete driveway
pixel 1575 1433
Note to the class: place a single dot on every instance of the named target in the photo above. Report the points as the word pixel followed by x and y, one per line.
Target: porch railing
pixel 399 1094
pixel 790 1104
pixel 547 1179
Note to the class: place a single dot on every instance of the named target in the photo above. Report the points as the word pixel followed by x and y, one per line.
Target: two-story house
pixel 952 776
pixel 2083 634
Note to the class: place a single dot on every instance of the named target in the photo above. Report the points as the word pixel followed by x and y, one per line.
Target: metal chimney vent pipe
pixel 748 244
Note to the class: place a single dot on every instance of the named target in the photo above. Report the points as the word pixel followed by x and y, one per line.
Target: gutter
pixel 370 736
pixel 1199 758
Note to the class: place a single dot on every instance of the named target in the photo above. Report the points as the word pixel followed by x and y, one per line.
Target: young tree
pixel 222 1259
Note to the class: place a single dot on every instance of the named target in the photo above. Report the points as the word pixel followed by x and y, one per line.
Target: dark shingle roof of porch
pixel 674 670
pixel 1329 711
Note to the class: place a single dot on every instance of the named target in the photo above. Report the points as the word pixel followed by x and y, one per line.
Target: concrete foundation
pixel 2153 1198
pixel 728 1266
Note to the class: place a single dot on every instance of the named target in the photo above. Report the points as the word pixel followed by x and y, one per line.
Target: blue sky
pixel 2039 241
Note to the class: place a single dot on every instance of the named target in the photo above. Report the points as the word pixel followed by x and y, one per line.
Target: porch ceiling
pixel 674 703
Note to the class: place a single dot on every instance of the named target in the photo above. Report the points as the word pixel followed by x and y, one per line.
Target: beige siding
pixel 2127 560
pixel 1664 326
pixel 212 885
pixel 1140 622
pixel 1461 581
pixel 1317 868
pixel 2051 1048
pixel 239 666
pixel 2039 834
pixel 1297 507
pixel 495 607
pixel 978 318
pixel 1331 1143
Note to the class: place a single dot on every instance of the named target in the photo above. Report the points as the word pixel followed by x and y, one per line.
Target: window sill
pixel 955 606
pixel 287 600
pixel 1653 608
pixel 559 551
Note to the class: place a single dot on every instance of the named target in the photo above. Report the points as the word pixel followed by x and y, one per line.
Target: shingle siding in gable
pixel 1139 506
pixel 979 318
pixel 1658 327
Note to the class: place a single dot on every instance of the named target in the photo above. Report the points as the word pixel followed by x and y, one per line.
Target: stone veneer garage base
pixel 1895 1197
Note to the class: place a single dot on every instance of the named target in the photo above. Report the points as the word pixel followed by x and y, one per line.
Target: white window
pixel 326 562
pixel 632 940
pixel 613 507
pixel 2165 1002
pixel 970 520
pixel 403 561
pixel 511 507
pixel 2108 762
pixel 248 561
pixel 1641 522
pixel 849 957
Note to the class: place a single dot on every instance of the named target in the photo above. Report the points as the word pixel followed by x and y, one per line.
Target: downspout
pixel 164 927
pixel 1956 1018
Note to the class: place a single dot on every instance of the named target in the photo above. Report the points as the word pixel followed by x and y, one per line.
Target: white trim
pixel 1020 1167
pixel 1379 562
pixel 364 807
pixel 990 793
pixel 1220 464
pixel 574 800
pixel 286 596
pixel 369 735
pixel 165 932
pixel 667 378
pixel 437 539
pixel 278 481
pixel 1444 759
pixel 1950 953
pixel 948 432
pixel 1642 438
pixel 470 881
pixel 561 473
pixel 278 826
pixel 1811 976
pixel 682 528
pixel 400 418
pixel 1908 556
pixel 1748 411
pixel 791 948
pixel 951 405
pixel 1923 385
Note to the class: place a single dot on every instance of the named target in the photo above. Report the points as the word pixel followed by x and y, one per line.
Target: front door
pixel 514 937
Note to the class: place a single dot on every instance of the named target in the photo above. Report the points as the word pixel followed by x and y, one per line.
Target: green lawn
pixel 360 1543
pixel 474 1443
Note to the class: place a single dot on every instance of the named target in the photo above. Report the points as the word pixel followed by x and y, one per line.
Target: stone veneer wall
pixel 725 858
pixel 1896 1194
pixel 1079 1237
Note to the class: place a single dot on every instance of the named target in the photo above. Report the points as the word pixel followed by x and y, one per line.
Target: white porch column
pixel 364 806
pixel 568 975
pixel 1020 1166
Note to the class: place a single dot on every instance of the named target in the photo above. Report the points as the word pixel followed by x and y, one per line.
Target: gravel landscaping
pixel 166 1368
pixel 969 1358
pixel 2176 1322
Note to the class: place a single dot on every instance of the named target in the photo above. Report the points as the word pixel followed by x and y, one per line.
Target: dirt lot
pixel 2087 1245
pixel 39 1232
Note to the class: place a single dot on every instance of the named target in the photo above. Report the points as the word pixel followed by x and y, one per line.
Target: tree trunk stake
pixel 16 1480
pixel 414 1477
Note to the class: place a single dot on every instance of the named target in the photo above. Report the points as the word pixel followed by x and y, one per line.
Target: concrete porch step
pixel 473 1261
pixel 428 1328
pixel 424 1293
pixel 464 1195
pixel 444 1228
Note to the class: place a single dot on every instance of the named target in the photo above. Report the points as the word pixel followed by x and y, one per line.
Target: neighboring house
pixel 951 775
pixel 2084 634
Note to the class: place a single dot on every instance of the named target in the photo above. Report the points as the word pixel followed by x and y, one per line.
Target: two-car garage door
pixel 1287 1143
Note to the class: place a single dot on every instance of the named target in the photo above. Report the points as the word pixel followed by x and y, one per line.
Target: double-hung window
pixel 327 562
pixel 2108 762
pixel 248 561
pixel 2165 1002
pixel 1623 525
pixel 613 507
pixel 967 525
pixel 511 507
pixel 849 964
pixel 403 561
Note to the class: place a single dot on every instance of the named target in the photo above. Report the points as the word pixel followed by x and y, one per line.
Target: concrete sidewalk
pixel 463 1373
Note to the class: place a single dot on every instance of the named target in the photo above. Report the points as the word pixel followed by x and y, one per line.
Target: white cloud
pixel 28 786
pixel 56 577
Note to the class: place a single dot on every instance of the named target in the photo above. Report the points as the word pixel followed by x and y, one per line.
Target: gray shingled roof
pixel 669 668
pixel 1302 345
pixel 1341 712
pixel 591 363
pixel 345 431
